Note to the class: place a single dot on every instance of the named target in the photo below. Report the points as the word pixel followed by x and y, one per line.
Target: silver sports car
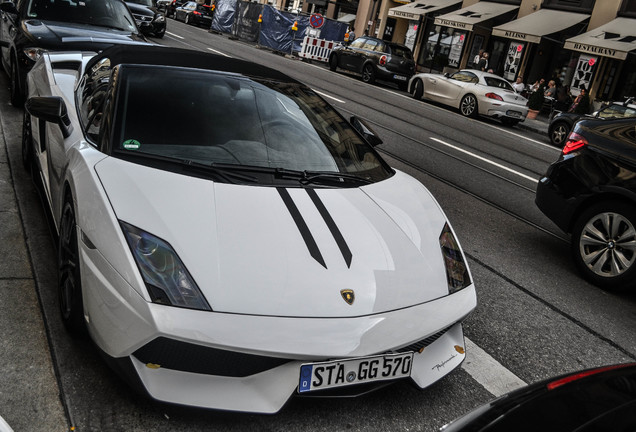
pixel 474 93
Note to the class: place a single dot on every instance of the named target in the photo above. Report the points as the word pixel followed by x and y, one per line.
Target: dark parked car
pixel 590 192
pixel 561 123
pixel 593 400
pixel 375 59
pixel 150 20
pixel 30 27
pixel 194 13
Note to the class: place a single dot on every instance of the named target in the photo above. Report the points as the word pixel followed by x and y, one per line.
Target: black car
pixel 30 27
pixel 375 59
pixel 150 20
pixel 590 192
pixel 592 400
pixel 561 123
pixel 195 14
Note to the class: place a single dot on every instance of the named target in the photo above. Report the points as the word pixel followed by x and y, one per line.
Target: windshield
pixel 102 13
pixel 214 118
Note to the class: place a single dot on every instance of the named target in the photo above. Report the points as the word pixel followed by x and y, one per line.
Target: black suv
pixel 30 27
pixel 375 59
pixel 150 20
pixel 561 123
pixel 590 192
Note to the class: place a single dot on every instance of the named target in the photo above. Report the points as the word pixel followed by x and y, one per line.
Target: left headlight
pixel 159 18
pixel 166 278
pixel 456 269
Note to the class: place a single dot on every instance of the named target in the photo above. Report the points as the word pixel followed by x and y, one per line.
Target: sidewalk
pixel 538 125
pixel 29 393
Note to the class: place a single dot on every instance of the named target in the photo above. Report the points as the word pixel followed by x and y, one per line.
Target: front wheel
pixel 368 74
pixel 15 92
pixel 468 106
pixel 187 19
pixel 604 245
pixel 69 275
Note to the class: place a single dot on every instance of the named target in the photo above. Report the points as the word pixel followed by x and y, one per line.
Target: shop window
pixel 584 6
pixel 628 8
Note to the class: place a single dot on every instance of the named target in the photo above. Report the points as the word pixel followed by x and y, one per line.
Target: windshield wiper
pixel 308 177
pixel 223 172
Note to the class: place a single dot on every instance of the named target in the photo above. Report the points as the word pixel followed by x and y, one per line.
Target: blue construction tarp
pixel 276 30
pixel 246 26
pixel 224 15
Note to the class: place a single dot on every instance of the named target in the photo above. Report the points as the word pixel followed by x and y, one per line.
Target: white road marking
pixel 488 372
pixel 175 35
pixel 329 96
pixel 526 138
pixel 219 52
pixel 485 160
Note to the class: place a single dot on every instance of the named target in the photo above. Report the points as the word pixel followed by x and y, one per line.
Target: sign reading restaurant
pixel 607 52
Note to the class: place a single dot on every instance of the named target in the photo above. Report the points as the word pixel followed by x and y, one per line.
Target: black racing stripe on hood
pixel 337 235
pixel 302 226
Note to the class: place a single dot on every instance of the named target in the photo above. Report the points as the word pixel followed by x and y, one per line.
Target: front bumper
pixel 252 363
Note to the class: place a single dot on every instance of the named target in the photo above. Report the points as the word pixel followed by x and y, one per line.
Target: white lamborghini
pixel 251 247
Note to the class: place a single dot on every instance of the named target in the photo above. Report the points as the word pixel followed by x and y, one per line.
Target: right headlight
pixel 456 269
pixel 166 278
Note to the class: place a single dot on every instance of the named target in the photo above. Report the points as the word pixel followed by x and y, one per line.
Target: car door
pixel 347 57
pixel 450 89
pixel 9 25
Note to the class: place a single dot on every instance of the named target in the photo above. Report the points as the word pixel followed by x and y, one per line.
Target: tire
pixel 509 122
pixel 468 106
pixel 187 19
pixel 160 34
pixel 333 63
pixel 418 89
pixel 69 274
pixel 17 98
pixel 368 73
pixel 559 132
pixel 27 141
pixel 604 245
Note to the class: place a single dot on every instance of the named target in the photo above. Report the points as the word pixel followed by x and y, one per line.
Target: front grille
pixel 187 357
pixel 417 346
pixel 142 18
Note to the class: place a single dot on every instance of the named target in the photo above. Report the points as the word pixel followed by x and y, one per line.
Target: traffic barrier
pixel 316 49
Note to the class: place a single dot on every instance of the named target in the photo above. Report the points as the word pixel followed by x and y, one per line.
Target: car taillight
pixel 494 96
pixel 382 60
pixel 196 13
pixel 577 376
pixel 574 142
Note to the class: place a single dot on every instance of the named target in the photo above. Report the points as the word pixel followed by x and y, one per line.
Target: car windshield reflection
pixel 102 13
pixel 229 120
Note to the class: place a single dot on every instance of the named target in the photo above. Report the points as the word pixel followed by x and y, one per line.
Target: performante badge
pixel 348 295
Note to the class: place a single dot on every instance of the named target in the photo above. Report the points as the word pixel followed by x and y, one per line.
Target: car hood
pixel 273 251
pixel 62 36
pixel 141 9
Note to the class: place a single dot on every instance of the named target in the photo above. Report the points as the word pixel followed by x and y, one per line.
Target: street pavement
pixel 30 399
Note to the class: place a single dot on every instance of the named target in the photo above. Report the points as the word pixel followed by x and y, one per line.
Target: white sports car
pixel 474 93
pixel 250 248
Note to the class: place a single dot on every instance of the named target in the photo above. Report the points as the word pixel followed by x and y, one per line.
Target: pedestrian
pixel 563 98
pixel 581 104
pixel 550 92
pixel 483 62
pixel 519 86
pixel 477 58
pixel 538 85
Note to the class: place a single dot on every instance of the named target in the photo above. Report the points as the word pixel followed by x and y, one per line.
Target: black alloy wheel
pixel 604 245
pixel 559 133
pixel 187 19
pixel 69 276
pixel 468 106
pixel 368 73
pixel 418 89
pixel 27 141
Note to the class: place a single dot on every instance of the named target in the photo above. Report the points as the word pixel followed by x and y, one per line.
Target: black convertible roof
pixel 168 56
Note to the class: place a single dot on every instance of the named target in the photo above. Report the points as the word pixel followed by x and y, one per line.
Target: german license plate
pixel 513 113
pixel 338 373
pixel 399 77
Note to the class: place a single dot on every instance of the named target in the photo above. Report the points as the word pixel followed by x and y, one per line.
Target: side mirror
pixel 8 7
pixel 51 109
pixel 365 130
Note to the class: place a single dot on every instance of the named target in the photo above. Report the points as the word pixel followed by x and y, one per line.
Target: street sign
pixel 316 20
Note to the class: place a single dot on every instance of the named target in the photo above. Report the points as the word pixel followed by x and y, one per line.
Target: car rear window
pixel 401 51
pixel 499 83
pixel 617 111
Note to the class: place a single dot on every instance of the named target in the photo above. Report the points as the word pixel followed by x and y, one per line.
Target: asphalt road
pixel 535 318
